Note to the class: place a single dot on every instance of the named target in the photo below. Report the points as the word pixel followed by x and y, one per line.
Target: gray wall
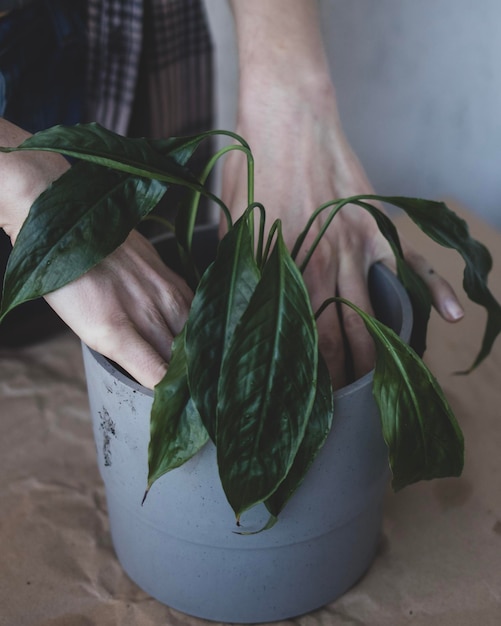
pixel 419 92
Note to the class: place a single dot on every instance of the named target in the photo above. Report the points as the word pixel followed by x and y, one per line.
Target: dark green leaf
pixel 441 224
pixel 94 143
pixel 181 149
pixel 419 427
pixel 419 293
pixel 177 432
pixel 267 385
pixel 316 433
pixel 81 218
pixel 222 296
pixel 270 522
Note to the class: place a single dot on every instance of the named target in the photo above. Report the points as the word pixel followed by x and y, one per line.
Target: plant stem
pixel 328 302
pixel 262 220
pixel 161 220
pixel 337 205
pixel 277 225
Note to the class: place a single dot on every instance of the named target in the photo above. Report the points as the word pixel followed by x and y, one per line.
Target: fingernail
pixel 453 310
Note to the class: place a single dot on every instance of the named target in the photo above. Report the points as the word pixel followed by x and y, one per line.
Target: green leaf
pixel 419 293
pixel 92 142
pixel 81 218
pixel 271 521
pixel 177 431
pixel 317 431
pixel 267 385
pixel 181 149
pixel 222 296
pixel 419 427
pixel 437 221
pixel 74 224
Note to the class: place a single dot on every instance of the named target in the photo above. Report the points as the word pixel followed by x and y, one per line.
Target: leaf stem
pixel 325 304
pixel 277 225
pixel 262 221
pixel 210 165
pixel 161 220
pixel 337 205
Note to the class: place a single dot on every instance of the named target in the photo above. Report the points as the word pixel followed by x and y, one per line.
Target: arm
pixel 23 177
pixel 288 114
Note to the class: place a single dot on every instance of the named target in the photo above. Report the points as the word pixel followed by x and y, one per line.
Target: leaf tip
pixel 272 520
pixel 145 494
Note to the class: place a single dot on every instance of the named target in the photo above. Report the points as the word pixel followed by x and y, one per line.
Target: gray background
pixel 419 91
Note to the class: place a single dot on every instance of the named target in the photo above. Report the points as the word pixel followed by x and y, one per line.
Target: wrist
pixel 290 109
pixel 23 177
pixel 280 40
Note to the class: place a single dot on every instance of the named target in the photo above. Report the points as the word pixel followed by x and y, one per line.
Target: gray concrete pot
pixel 181 547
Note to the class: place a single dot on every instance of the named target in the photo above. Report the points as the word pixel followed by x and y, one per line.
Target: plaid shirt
pixel 149 66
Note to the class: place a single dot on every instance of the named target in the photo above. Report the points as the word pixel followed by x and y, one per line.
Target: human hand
pixel 302 160
pixel 129 308
pixel 288 114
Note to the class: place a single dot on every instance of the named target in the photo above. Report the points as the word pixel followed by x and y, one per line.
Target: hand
pixel 288 114
pixel 302 160
pixel 128 308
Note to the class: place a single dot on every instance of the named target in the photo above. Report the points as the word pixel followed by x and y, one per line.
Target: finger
pixel 143 363
pixel 353 286
pixel 133 354
pixel 155 331
pixel 444 298
pixel 330 338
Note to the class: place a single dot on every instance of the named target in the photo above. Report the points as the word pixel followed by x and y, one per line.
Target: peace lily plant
pixel 246 371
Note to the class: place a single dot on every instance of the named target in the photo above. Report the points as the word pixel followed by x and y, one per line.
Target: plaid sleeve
pixel 149 66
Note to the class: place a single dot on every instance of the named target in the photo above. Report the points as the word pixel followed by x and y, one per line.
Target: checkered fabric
pixel 149 66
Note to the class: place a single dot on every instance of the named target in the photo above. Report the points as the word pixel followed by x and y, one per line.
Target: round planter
pixel 181 546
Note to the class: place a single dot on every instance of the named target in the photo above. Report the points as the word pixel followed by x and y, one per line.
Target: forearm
pixel 280 40
pixel 286 95
pixel 287 109
pixel 23 177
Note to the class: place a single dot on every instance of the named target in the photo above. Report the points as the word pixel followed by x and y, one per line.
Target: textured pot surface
pixel 181 546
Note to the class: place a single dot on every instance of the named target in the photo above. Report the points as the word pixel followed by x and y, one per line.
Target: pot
pixel 181 546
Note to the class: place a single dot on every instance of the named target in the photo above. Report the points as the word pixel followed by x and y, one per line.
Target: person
pixel 287 112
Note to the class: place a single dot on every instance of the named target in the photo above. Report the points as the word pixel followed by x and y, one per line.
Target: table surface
pixel 439 561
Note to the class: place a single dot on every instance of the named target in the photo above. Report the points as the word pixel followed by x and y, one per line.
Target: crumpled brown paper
pixel 439 563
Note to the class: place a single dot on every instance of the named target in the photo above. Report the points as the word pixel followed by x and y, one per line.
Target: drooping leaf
pixel 423 437
pixel 419 293
pixel 317 431
pixel 177 431
pixel 267 385
pixel 221 297
pixel 270 522
pixel 440 223
pixel 182 148
pixel 136 156
pixel 81 218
